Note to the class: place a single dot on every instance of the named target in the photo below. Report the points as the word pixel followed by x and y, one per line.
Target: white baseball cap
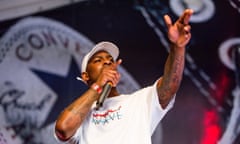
pixel 109 47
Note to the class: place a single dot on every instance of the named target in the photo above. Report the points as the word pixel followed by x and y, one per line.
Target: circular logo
pixel 203 9
pixel 40 45
pixel 225 52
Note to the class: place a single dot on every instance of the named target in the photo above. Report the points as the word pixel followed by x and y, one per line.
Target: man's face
pixel 97 63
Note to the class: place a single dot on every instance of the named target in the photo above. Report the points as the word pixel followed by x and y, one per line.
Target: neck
pixel 113 92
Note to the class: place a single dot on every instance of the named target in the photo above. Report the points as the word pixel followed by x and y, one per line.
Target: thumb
pixel 119 62
pixel 167 21
pixel 116 64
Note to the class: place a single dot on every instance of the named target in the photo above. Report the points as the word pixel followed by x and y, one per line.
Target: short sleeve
pixel 157 112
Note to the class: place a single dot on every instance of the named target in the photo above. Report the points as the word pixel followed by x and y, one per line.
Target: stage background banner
pixel 41 54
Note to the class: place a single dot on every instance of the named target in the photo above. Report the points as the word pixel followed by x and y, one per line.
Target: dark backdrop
pixel 195 118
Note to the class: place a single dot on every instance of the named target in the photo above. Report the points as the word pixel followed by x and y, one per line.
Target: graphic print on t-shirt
pixel 107 116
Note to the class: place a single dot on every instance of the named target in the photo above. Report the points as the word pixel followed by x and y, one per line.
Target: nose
pixel 108 62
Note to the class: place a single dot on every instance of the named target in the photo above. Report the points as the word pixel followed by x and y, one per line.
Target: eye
pixel 112 60
pixel 96 60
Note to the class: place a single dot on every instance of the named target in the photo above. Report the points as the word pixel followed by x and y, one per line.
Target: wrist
pixel 96 88
pixel 177 48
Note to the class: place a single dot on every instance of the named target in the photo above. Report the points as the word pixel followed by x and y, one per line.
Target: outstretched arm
pixel 179 36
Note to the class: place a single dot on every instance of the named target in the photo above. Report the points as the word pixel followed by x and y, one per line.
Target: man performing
pixel 129 118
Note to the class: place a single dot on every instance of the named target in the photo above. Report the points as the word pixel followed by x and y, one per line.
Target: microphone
pixel 106 90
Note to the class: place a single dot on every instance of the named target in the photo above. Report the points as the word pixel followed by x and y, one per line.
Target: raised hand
pixel 179 33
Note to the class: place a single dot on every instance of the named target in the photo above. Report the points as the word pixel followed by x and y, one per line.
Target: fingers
pixel 168 21
pixel 183 23
pixel 116 79
pixel 110 74
pixel 118 62
pixel 187 29
pixel 116 75
pixel 184 19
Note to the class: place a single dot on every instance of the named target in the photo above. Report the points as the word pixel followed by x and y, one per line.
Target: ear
pixel 85 76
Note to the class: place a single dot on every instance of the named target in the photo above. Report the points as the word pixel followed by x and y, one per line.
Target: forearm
pixel 73 116
pixel 172 76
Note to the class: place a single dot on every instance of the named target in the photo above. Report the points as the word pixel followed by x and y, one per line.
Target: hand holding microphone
pixel 114 77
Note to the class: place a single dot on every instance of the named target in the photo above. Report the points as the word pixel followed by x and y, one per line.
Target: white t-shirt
pixel 125 119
